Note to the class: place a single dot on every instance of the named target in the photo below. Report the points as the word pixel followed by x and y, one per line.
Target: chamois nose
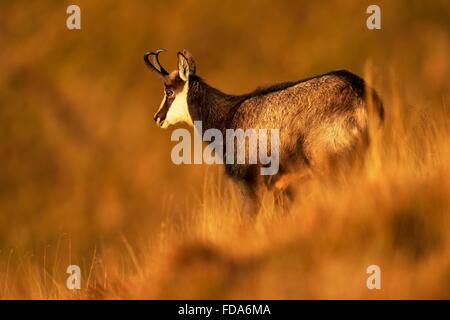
pixel 158 119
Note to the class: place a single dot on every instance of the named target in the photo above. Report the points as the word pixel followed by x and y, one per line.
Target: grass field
pixel 86 176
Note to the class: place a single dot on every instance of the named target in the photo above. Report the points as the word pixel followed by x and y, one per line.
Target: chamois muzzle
pixel 159 119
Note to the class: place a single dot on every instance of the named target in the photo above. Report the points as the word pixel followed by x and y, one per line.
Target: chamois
pixel 323 120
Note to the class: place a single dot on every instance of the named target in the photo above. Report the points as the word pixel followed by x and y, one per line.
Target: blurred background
pixel 83 168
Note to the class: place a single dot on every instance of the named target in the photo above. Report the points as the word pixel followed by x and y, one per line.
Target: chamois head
pixel 174 106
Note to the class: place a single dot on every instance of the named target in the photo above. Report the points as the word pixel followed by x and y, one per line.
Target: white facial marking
pixel 179 111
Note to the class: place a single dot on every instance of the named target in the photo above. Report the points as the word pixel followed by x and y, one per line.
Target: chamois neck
pixel 210 105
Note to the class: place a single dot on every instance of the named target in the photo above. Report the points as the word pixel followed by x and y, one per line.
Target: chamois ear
pixel 191 62
pixel 183 67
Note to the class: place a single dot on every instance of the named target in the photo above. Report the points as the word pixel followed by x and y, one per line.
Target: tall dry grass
pixel 393 213
pixel 86 178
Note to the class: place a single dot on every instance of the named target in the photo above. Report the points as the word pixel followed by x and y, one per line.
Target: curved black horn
pixel 155 66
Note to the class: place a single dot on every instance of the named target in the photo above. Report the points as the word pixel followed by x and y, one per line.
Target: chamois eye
pixel 169 93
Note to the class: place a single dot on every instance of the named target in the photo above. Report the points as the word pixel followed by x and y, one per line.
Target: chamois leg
pixel 283 192
pixel 250 201
pixel 283 189
pixel 284 198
